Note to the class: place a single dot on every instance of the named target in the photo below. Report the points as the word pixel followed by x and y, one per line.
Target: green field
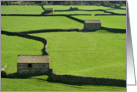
pixel 101 53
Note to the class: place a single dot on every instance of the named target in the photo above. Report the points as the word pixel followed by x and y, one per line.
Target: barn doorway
pixel 29 65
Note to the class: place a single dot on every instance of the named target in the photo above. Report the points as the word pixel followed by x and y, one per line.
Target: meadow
pixel 100 53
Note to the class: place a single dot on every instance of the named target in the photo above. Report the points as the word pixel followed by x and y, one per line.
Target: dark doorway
pixel 29 65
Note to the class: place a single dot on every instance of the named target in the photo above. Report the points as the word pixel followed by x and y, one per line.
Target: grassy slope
pixel 17 24
pixel 98 54
pixel 12 9
pixel 118 22
pixel 118 11
pixel 88 54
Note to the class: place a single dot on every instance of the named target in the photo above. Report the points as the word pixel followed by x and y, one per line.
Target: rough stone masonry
pixel 92 24
pixel 33 64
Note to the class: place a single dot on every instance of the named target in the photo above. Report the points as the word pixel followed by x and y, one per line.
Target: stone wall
pixel 86 80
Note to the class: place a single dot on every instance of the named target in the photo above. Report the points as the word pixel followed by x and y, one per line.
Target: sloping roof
pixel 48 8
pixel 92 21
pixel 73 7
pixel 33 59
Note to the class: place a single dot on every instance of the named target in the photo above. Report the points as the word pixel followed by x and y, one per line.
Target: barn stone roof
pixel 92 21
pixel 33 59
pixel 73 7
pixel 48 8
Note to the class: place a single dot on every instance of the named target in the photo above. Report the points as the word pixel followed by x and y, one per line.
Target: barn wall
pixel 35 69
pixel 73 8
pixel 92 26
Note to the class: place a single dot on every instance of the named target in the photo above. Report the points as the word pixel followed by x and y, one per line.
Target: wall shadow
pixel 24 76
pixel 44 52
pixel 76 19
pixel 66 15
pixel 116 8
pixel 105 11
pixel 80 80
pixel 33 15
pixel 109 14
pixel 77 10
pixel 72 79
pixel 49 30
pixel 114 30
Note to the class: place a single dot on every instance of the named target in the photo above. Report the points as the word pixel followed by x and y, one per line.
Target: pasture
pixel 100 53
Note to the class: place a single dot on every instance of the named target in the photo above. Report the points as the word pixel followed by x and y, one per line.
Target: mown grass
pixel 96 54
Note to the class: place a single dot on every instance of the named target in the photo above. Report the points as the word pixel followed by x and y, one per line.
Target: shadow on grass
pixel 109 14
pixel 69 79
pixel 65 15
pixel 77 10
pixel 24 76
pixel 34 15
pixel 81 80
pixel 49 30
pixel 92 83
pixel 116 8
pixel 44 52
pixel 113 30
pixel 105 11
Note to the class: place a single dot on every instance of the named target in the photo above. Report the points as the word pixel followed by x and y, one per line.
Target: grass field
pixel 96 54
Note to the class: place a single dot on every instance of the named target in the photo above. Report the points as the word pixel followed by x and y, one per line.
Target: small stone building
pixel 48 11
pixel 92 25
pixel 73 8
pixel 33 64
pixel 117 6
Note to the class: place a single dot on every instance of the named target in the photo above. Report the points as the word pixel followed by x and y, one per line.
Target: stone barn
pixel 48 11
pixel 33 64
pixel 73 8
pixel 117 6
pixel 92 24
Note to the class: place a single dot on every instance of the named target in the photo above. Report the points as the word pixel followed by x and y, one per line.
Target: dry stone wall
pixel 86 80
